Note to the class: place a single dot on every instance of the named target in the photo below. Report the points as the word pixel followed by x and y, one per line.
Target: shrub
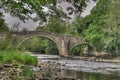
pixel 16 56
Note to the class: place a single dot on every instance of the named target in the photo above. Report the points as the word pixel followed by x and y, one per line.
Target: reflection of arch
pixel 50 38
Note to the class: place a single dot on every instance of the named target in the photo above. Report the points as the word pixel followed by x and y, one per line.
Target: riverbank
pixel 43 71
pixel 51 70
pixel 15 65
pixel 61 69
pixel 53 67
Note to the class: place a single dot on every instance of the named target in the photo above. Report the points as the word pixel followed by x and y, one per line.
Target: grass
pixel 17 57
pixel 27 72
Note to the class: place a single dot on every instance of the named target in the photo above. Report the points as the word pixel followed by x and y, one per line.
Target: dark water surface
pixel 78 75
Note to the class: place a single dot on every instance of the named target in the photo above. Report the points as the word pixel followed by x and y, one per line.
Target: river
pixel 84 70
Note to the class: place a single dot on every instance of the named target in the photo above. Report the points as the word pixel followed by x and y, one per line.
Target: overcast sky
pixel 88 8
pixel 31 25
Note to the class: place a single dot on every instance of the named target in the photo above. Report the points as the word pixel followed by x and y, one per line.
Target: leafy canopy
pixel 23 8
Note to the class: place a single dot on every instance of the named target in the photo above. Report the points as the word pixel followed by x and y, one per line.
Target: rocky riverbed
pixel 52 70
pixel 43 71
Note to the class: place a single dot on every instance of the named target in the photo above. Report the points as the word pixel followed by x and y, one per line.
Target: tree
pixel 91 27
pixel 112 27
pixel 56 25
pixel 23 8
pixel 95 36
pixel 3 26
pixel 112 22
pixel 114 47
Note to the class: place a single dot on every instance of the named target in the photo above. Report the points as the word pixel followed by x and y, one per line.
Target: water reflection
pixel 88 76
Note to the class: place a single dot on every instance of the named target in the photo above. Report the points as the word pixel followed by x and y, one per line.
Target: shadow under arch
pixel 78 48
pixel 49 38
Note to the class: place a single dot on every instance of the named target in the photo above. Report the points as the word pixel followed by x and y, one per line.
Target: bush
pixel 16 56
pixel 114 47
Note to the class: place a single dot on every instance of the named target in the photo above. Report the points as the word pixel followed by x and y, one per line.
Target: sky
pixel 31 25
pixel 88 8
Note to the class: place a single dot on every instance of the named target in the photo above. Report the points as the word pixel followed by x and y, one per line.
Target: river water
pixel 84 70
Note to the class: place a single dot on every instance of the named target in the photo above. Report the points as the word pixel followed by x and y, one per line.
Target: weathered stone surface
pixel 7 65
pixel 1 67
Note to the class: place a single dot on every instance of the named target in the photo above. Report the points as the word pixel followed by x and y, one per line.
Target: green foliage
pixel 92 26
pixel 18 57
pixel 77 50
pixel 18 8
pixel 50 47
pixel 8 42
pixel 58 26
pixel 95 36
pixel 96 18
pixel 32 44
pixel 3 26
pixel 112 28
pixel 112 22
pixel 41 45
pixel 9 54
pixel 100 9
pixel 114 47
pixel 82 24
pixel 27 72
pixel 55 25
pixel 101 29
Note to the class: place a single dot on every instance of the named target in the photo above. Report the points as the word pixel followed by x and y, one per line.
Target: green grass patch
pixel 17 57
pixel 27 72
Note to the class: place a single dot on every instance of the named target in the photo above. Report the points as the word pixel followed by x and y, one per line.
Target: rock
pixel 39 66
pixel 2 73
pixel 18 70
pixel 58 64
pixel 7 65
pixel 1 67
pixel 63 64
pixel 22 66
pixel 58 70
pixel 48 62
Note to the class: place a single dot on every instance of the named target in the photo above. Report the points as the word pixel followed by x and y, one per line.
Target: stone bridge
pixel 63 42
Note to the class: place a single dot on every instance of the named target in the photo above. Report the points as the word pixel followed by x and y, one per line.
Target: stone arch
pixel 73 46
pixel 50 38
pixel 77 45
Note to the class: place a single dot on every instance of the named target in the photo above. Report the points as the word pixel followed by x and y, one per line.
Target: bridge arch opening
pixel 39 44
pixel 80 50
